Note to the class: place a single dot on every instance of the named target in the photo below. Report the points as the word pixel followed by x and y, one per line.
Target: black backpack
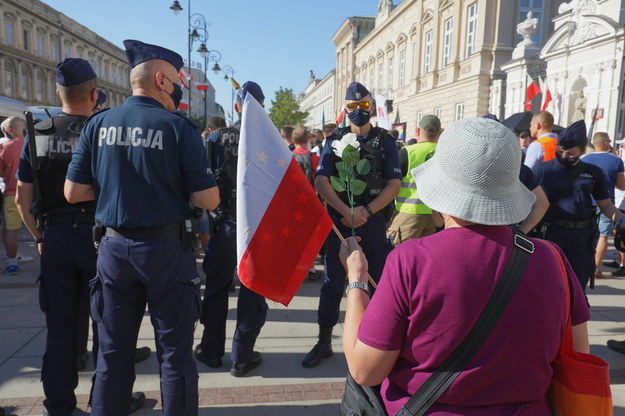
pixel 305 162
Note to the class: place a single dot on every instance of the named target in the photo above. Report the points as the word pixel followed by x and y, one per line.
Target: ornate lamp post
pixel 210 56
pixel 229 73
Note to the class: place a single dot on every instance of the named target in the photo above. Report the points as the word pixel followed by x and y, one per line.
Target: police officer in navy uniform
pixel 220 264
pixel 571 185
pixel 371 213
pixel 68 257
pixel 144 163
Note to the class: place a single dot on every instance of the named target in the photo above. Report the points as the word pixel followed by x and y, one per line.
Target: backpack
pixel 305 162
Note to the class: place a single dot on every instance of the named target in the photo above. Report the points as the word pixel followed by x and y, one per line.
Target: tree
pixel 285 110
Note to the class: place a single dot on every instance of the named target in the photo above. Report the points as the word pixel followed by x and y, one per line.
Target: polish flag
pixel 341 119
pixel 547 98
pixel 184 75
pixel 202 86
pixel 281 224
pixel 532 91
pixel 184 105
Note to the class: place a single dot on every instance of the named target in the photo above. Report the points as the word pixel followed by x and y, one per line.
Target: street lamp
pixel 209 56
pixel 197 25
pixel 229 73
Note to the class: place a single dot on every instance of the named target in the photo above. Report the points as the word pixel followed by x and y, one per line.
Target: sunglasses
pixel 365 105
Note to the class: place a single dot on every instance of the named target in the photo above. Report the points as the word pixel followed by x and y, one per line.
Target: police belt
pixel 77 218
pixel 571 224
pixel 171 231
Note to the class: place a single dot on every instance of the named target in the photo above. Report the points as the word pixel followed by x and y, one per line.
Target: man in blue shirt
pixel 371 212
pixel 570 185
pixel 612 167
pixel 143 163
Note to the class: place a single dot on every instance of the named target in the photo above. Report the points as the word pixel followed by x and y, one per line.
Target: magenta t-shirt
pixel 431 293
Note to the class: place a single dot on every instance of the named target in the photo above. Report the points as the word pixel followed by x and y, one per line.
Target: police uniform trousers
pixel 131 273
pixel 375 246
pixel 68 262
pixel 578 248
pixel 219 266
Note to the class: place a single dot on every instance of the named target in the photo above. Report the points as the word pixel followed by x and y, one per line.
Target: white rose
pixel 340 145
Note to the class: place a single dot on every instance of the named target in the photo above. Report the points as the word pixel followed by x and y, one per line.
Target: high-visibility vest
pixel 549 145
pixel 407 200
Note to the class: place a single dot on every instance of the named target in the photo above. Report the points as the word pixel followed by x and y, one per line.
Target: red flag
pixel 184 105
pixel 547 98
pixel 202 86
pixel 532 91
pixel 182 75
pixel 281 224
pixel 340 119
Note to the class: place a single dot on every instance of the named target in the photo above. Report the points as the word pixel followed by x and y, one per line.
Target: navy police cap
pixel 356 91
pixel 73 71
pixel 138 52
pixel 572 136
pixel 254 89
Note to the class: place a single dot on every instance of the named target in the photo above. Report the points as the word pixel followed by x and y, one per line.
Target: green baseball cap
pixel 431 123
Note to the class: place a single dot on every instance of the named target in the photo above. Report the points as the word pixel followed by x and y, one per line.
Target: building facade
pixel 441 57
pixel 202 101
pixel 34 38
pixel 318 101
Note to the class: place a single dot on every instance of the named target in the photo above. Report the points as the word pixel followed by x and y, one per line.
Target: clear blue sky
pixel 273 42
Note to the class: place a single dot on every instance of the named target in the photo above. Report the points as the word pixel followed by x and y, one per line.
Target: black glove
pixel 619 239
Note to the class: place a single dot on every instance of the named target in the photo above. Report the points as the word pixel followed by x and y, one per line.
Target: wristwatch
pixel 368 210
pixel 358 285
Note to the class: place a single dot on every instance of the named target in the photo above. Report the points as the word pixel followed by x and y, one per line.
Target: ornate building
pixel 34 38
pixel 318 101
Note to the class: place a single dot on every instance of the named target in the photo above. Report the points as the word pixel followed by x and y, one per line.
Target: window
pixel 380 76
pixel 419 116
pixel 40 45
pixel 26 40
pixel 371 76
pixel 413 63
pixel 437 112
pixel 428 52
pixel 54 50
pixel 402 67
pixel 471 28
pixel 24 86
pixel 68 53
pixel 459 111
pixel 39 89
pixel 537 9
pixel 449 35
pixel 389 81
pixel 10 32
pixel 8 83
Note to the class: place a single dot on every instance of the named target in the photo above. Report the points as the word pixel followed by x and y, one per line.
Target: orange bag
pixel 581 382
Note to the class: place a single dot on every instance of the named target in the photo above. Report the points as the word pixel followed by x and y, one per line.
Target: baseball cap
pixel 431 123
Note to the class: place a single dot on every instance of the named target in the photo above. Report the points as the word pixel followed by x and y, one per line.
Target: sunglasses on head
pixel 365 105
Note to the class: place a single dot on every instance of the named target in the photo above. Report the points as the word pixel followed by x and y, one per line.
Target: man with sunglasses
pixel 372 209
pixel 144 164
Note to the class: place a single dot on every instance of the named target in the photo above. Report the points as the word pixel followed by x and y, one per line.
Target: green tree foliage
pixel 285 110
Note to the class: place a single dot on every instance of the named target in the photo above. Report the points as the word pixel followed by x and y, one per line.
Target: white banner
pixel 380 104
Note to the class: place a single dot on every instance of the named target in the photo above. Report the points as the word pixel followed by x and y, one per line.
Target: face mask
pixel 567 161
pixel 176 95
pixel 359 117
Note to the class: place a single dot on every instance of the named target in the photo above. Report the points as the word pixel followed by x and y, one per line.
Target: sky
pixel 273 42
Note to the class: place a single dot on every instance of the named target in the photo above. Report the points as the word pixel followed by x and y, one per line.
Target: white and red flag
pixel 532 91
pixel 547 98
pixel 184 105
pixel 184 76
pixel 281 224
pixel 202 86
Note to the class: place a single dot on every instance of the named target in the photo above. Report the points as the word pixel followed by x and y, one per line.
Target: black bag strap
pixel 442 378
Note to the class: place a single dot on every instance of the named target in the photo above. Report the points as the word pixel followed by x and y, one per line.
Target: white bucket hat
pixel 474 174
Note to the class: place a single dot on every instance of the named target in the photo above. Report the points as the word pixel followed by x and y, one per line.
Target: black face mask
pixel 176 95
pixel 567 161
pixel 359 117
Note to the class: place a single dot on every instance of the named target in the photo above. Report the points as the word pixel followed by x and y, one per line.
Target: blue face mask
pixel 359 117
pixel 567 161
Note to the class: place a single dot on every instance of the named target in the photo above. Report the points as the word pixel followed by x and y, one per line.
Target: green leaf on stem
pixel 338 184
pixel 363 167
pixel 358 186
pixel 351 155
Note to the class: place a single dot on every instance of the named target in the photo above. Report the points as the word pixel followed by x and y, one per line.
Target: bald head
pixel 601 141
pixel 155 78
pixel 13 128
pixel 541 124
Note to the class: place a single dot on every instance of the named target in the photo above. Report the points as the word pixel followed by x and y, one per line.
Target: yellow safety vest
pixel 407 200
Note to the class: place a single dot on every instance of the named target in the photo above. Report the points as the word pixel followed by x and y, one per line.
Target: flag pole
pixel 338 233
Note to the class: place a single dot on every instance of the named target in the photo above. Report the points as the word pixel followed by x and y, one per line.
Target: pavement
pixel 280 386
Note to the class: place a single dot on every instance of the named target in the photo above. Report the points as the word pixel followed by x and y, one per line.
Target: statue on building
pixel 312 76
pixel 527 29
pixel 580 107
pixel 384 5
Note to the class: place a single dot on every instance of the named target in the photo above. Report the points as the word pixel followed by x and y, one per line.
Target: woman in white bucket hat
pixel 426 304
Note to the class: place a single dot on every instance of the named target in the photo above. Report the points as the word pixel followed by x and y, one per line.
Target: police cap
pixel 572 136
pixel 73 71
pixel 356 91
pixel 101 97
pixel 254 89
pixel 138 52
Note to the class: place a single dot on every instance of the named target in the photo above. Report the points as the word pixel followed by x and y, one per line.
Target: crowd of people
pixel 114 193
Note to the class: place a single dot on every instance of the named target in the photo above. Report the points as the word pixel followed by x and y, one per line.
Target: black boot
pixel 323 348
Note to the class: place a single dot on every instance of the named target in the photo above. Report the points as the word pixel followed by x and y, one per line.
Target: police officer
pixel 68 257
pixel 570 185
pixel 144 164
pixel 372 211
pixel 220 263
